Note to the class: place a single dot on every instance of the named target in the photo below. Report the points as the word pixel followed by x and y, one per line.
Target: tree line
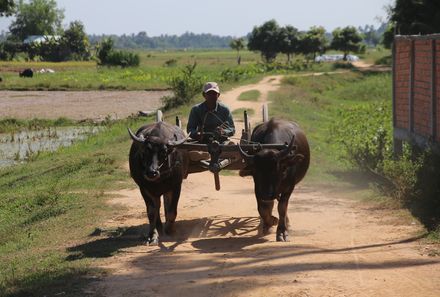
pixel 43 17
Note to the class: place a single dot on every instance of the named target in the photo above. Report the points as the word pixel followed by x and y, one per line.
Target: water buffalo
pixel 158 169
pixel 276 173
pixel 26 73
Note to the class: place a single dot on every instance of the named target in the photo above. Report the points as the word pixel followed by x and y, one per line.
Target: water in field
pixel 25 145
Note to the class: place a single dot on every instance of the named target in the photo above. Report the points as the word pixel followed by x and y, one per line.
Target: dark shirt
pixel 201 119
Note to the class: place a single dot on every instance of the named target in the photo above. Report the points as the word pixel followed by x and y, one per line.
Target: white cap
pixel 211 86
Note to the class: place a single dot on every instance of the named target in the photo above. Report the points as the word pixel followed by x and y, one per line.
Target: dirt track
pixel 339 247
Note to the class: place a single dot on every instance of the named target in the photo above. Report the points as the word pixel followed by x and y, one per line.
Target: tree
pixel 313 41
pixel 7 7
pixel 289 40
pixel 77 41
pixel 38 17
pixel 346 40
pixel 238 45
pixel 410 17
pixel 266 39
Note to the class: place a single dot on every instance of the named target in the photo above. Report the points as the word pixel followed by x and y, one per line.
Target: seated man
pixel 210 118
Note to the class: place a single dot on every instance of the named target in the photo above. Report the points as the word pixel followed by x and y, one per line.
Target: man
pixel 210 117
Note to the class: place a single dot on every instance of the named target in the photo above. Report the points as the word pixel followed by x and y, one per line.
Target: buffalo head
pixel 154 153
pixel 270 168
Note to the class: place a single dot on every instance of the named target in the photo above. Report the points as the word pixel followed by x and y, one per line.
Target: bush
pixel 184 86
pixel 109 57
pixel 412 179
pixel 365 133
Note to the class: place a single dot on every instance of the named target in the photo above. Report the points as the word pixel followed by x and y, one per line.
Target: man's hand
pixel 220 130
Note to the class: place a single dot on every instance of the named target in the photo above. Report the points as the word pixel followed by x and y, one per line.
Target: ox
pixel 26 73
pixel 158 169
pixel 276 173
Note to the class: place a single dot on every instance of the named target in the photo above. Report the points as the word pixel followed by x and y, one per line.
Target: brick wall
pixel 402 66
pixel 414 82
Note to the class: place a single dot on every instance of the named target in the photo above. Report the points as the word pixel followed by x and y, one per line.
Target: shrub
pixel 411 179
pixel 108 56
pixel 365 133
pixel 184 86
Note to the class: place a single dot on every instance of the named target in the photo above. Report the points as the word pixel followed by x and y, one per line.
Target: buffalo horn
pixel 285 152
pixel 139 139
pixel 244 155
pixel 177 142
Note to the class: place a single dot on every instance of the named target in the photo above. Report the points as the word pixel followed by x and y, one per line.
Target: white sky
pixel 223 17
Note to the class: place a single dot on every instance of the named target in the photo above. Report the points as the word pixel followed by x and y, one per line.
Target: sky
pixel 226 17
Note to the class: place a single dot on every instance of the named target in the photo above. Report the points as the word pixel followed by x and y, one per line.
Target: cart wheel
pixel 265 113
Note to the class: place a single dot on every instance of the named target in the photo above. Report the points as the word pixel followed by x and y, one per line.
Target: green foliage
pixel 7 7
pixel 170 63
pixel 38 17
pixel 237 44
pixel 184 86
pixel 239 73
pixel 52 203
pixel 109 57
pixel 365 133
pixel 266 39
pixel 9 125
pixel 313 42
pixel 77 42
pixel 412 17
pixel 9 49
pixel 289 41
pixel 347 40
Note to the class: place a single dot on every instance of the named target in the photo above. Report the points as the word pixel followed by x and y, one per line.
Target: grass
pixel 314 103
pixel 238 113
pixel 49 204
pixel 156 68
pixel 252 95
pixel 11 125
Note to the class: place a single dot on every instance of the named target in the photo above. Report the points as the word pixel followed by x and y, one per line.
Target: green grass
pixel 53 203
pixel 314 102
pixel 10 125
pixel 238 113
pixel 252 95
pixel 153 73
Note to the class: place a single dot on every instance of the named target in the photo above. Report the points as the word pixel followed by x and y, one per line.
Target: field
pixel 153 74
pixel 55 220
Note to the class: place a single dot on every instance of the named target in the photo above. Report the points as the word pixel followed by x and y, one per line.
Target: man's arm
pixel 192 126
pixel 229 129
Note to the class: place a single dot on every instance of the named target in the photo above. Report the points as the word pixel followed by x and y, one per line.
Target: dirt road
pixel 338 247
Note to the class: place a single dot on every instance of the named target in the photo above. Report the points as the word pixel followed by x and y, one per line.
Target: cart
pixel 215 155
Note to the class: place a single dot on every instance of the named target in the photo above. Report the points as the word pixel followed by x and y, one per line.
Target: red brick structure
pixel 416 89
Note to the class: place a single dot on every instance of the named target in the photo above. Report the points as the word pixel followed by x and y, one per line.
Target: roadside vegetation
pixel 252 95
pixel 348 119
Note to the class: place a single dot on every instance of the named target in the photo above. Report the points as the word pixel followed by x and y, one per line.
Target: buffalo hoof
pixel 153 238
pixel 282 236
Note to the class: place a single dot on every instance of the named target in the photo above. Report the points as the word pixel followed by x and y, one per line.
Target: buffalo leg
pixel 153 214
pixel 265 210
pixel 283 223
pixel 171 200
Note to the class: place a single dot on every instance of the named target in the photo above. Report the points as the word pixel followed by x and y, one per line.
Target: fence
pixel 416 90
